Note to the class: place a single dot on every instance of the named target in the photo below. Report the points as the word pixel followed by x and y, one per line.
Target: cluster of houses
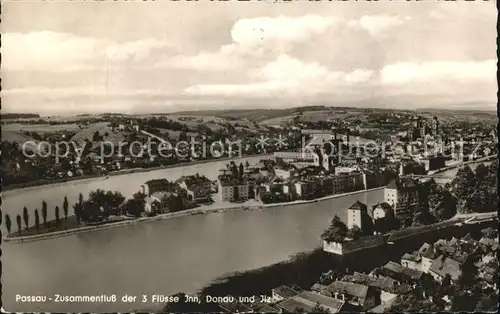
pixel 269 181
pixel 162 195
pixel 376 291
pixel 446 258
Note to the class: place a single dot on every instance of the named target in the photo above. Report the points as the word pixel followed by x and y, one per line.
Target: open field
pixel 15 136
pixel 40 128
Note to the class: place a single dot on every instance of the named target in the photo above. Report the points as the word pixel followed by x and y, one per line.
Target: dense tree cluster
pixel 336 232
pixel 476 191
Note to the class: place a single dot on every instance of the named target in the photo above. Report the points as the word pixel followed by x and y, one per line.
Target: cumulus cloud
pixel 47 50
pixel 405 72
pixel 287 75
pixel 377 24
pixel 257 31
pixel 253 38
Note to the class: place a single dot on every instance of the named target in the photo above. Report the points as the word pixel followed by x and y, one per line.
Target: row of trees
pixel 26 217
pixel 98 206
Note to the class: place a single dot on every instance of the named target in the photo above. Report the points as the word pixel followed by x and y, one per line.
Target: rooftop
pixel 235 307
pixel 308 301
pixel 349 288
pixel 402 183
pixel 446 266
pixel 381 282
pixel 358 206
pixel 410 257
pixel 284 291
pixel 397 268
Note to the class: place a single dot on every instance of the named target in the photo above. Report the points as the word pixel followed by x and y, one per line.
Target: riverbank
pixel 53 182
pixel 189 212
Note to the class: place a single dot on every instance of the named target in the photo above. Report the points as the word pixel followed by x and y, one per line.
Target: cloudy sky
pixel 67 57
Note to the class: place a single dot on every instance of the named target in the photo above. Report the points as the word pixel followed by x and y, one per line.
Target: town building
pixel 307 301
pixel 303 159
pixel 232 190
pixel 402 195
pixel 354 294
pixel 411 261
pixel 400 273
pixel 443 266
pixel 383 217
pixel 357 215
pixel 159 185
pixel 427 255
pixel 198 187
pixel 282 292
pixel 234 307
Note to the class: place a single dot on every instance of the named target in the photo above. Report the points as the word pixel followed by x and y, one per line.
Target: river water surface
pixel 161 257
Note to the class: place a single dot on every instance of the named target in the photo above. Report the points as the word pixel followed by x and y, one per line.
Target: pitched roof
pixel 386 207
pixel 265 308
pixel 235 307
pixel 284 291
pixel 381 282
pixel 426 250
pixel 408 272
pixel 410 257
pixel 446 266
pixel 358 206
pixel 308 300
pixel 401 183
pixel 349 288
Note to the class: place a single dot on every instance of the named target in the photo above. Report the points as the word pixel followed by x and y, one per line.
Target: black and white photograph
pixel 249 156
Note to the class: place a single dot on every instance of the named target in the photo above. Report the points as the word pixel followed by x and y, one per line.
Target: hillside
pixel 103 129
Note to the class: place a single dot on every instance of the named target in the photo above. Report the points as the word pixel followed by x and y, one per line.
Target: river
pixel 162 257
pixel 127 184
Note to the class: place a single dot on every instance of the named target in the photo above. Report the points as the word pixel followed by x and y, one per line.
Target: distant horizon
pixel 193 111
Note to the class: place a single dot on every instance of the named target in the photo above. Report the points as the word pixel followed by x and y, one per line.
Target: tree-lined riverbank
pixel 195 211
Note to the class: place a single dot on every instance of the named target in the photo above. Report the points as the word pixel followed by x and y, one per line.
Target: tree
pixel 8 223
pixel 445 206
pixel 77 212
pixel 463 186
pixel 18 220
pixel 241 171
pixel 183 136
pixel 44 213
pixel 488 303
pixel 65 208
pixel 354 233
pixel 234 170
pixel 463 302
pixel 134 207
pixel 26 217
pixel 336 231
pixel 37 221
pixel 57 215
